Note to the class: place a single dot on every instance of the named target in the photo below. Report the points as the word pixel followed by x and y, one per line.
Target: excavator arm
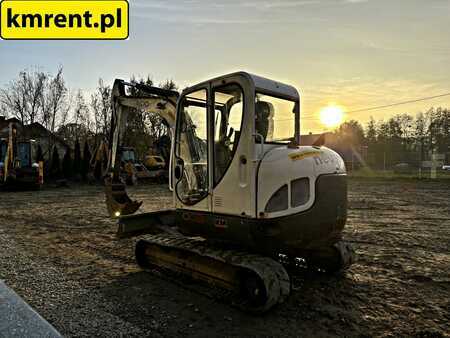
pixel 150 99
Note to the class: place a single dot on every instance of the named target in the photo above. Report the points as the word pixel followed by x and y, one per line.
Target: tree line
pixel 77 118
pixel 403 138
pixel 80 118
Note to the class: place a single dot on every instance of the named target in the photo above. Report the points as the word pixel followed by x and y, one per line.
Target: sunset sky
pixel 352 53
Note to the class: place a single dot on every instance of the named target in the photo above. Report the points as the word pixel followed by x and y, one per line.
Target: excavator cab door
pixel 232 147
pixel 191 169
pixel 213 148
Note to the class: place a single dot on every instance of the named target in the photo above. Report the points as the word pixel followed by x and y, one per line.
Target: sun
pixel 331 116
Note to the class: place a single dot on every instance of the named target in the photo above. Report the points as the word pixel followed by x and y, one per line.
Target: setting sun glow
pixel 332 116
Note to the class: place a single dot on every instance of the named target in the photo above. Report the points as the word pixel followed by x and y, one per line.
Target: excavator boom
pixel 150 99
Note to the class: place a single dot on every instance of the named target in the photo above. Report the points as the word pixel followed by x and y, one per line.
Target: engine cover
pixel 287 177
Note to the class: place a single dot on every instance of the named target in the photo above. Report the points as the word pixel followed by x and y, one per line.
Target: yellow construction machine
pixel 17 170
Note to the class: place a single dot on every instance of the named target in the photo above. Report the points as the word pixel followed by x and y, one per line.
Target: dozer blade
pixel 118 202
pixel 257 282
pixel 151 223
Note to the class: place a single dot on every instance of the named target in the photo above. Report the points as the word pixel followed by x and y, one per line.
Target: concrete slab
pixel 18 319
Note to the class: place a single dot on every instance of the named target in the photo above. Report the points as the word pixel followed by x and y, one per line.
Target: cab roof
pixel 261 84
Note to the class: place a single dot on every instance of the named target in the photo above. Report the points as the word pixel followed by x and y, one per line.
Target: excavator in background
pixel 17 170
pixel 248 197
pixel 131 169
pixel 158 158
pixel 157 168
pixel 154 162
pixel 142 171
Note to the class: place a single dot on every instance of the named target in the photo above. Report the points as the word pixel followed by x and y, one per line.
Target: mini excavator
pixel 245 191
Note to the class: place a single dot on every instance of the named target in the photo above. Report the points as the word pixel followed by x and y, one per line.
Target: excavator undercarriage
pixel 257 282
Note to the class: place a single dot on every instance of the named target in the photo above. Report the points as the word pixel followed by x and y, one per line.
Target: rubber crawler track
pixel 272 274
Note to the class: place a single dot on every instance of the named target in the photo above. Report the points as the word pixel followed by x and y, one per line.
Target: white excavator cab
pixel 235 149
pixel 224 127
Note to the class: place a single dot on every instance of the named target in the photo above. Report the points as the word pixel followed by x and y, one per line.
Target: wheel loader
pixel 247 196
pixel 17 171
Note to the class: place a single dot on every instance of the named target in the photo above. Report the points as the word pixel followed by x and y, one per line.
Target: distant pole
pixel 353 161
pixel 384 161
pixel 421 156
pixel 433 167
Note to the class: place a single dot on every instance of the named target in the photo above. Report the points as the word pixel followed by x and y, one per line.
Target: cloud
pixel 279 4
pixel 355 1
pixel 197 5
pixel 182 19
pixel 357 93
pixel 165 5
pixel 390 47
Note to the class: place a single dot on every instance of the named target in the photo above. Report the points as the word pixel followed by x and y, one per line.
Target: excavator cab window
pixel 128 155
pixel 192 148
pixel 24 154
pixel 274 119
pixel 227 127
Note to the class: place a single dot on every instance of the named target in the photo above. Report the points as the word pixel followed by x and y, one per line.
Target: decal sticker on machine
pixel 302 155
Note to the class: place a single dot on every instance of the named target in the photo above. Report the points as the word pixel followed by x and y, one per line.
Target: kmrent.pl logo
pixel 66 19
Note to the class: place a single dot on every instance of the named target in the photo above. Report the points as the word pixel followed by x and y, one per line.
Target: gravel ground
pixel 59 252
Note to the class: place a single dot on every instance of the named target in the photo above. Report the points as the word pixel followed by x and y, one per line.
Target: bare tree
pixel 34 84
pixel 36 96
pixel 81 115
pixel 14 99
pixel 101 109
pixel 95 106
pixel 105 95
pixel 79 126
pixel 55 102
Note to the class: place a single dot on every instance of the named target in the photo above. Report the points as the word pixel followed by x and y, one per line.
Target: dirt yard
pixel 59 252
